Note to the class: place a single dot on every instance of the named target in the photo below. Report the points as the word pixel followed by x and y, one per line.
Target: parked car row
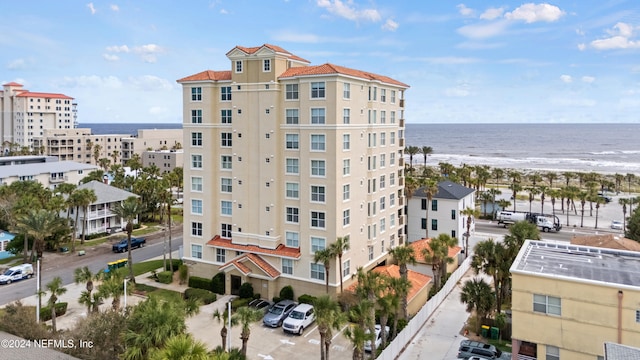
pixel 293 317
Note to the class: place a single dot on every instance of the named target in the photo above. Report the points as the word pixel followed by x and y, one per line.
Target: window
pixel 196 251
pixel 392 200
pixel 317 244
pixel 287 266
pixel 383 227
pixel 346 268
pixel 317 142
pixel 292 116
pixel 318 168
pixel 346 192
pixel 196 206
pixel 293 166
pixel 638 316
pixel 317 271
pixel 383 202
pixel 225 116
pixel 553 353
pixel 292 142
pixel 196 161
pixel 292 239
pixel 220 255
pixel 225 93
pixel 453 234
pixel 423 223
pixel 291 91
pixel 346 141
pixel 226 139
pixel 370 253
pixel 317 219
pixel 453 214
pixel 346 90
pixel 238 66
pixel 317 115
pixel 393 96
pixel 293 190
pixel 393 117
pixel 346 166
pixel 434 224
pixel 392 159
pixel 196 229
pixel 434 205
pixel 196 94
pixel 317 90
pixel 196 139
pixel 226 162
pixel 392 222
pixel 266 65
pixel 226 185
pixel 226 231
pixel 226 207
pixel 196 116
pixel 346 217
pixel 346 116
pixel 547 304
pixel 196 183
pixel 317 193
pixel 383 139
pixel 293 215
pixel 392 138
pixel 383 95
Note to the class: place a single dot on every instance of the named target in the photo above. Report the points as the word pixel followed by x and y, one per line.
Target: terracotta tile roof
pixel 421 244
pixel 610 241
pixel 13 83
pixel 418 280
pixel 327 69
pixel 280 251
pixel 278 49
pixel 208 75
pixel 43 95
pixel 261 263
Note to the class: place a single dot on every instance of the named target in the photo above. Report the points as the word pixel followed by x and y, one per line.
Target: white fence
pixel 393 350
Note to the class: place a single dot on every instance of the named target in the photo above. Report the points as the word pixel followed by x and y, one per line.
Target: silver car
pixel 277 313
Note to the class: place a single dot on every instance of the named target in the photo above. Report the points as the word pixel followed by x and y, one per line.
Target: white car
pixel 367 344
pixel 300 318
pixel 616 225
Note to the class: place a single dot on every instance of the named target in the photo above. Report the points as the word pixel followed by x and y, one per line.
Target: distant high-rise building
pixel 281 159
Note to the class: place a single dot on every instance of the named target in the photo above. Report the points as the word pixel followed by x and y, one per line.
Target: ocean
pixel 603 148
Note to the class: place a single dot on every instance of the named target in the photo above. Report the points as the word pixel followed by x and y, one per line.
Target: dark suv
pixel 469 348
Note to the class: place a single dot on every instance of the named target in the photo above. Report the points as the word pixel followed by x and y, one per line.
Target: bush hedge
pixel 306 299
pixel 200 283
pixel 237 303
pixel 165 277
pixel 217 283
pixel 176 265
pixel 206 296
pixel 286 293
pixel 45 312
pixel 246 291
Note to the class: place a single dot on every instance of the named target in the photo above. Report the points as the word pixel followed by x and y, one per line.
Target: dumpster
pixel 121 263
pixel 484 331
pixel 495 333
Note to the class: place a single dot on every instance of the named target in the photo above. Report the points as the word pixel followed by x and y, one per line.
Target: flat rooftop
pixel 578 262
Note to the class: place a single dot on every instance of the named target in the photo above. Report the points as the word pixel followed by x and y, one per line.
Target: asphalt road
pixel 96 258
pixel 565 234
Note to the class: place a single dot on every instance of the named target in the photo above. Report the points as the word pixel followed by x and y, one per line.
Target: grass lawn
pixel 141 268
pixel 503 345
pixel 161 293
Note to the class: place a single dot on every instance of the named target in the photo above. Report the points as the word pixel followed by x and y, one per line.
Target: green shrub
pixel 176 264
pixel 206 296
pixel 276 299
pixel 286 293
pixel 183 273
pixel 165 277
pixel 45 312
pixel 256 296
pixel 237 303
pixel 200 283
pixel 246 291
pixel 306 299
pixel 217 283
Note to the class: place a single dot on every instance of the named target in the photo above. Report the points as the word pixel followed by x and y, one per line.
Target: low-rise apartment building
pixel 46 170
pixel 165 160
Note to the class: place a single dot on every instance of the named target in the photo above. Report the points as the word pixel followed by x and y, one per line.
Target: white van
pixel 16 273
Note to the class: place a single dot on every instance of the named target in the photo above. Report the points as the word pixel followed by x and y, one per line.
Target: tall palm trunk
pixel 170 250
pixel 84 224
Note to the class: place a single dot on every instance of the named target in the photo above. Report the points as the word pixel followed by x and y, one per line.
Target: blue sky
pixel 466 62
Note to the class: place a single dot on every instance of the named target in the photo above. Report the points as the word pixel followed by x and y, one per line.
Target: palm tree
pixel 399 288
pixel 84 275
pixel 582 195
pixel 411 150
pixel 426 151
pixel 504 203
pixel 479 298
pixel 430 189
pixel 358 335
pixel 437 253
pixel 387 305
pixel 490 257
pixel 338 248
pixel 324 257
pixel 533 191
pixel 624 202
pixel 85 197
pixel 498 174
pixel 328 316
pixel 471 214
pixel 404 255
pixel 369 286
pixel 515 177
pixel 127 211
pixel 113 287
pixel 97 151
pixel 223 317
pixel 182 347
pixel 56 289
pixel 115 154
pixel 104 163
pixel 570 193
pixel 245 316
pixel 551 176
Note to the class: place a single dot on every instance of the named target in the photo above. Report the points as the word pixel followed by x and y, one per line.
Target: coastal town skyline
pixel 466 62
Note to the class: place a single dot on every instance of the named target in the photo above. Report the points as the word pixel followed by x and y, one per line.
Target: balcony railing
pixel 401 103
pixel 401 122
pixel 99 214
pixel 401 142
pixel 58 179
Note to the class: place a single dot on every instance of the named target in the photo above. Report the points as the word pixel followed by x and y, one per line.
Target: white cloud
pixel 483 30
pixel 146 52
pixel 91 8
pixel 342 9
pixel 110 57
pixel 588 79
pixel 620 38
pixel 118 49
pixel 390 25
pixel 114 7
pixel 582 46
pixel 157 110
pixel 531 13
pixel 223 12
pixel 464 10
pixel 448 60
pixel 150 83
pixel 91 81
pixel 460 91
pixel 566 79
pixel 574 102
pixel 17 64
pixel 492 13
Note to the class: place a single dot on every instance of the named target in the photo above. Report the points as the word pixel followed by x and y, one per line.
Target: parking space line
pixel 310 331
pixel 339 332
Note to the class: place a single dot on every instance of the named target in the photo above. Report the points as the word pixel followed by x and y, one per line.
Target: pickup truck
pixel 121 246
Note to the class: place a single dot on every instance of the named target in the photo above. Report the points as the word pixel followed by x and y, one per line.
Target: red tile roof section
pixel 257 261
pixel 43 95
pixel 278 49
pixel 421 244
pixel 418 280
pixel 328 69
pixel 209 75
pixel 239 265
pixel 281 250
pixel 13 83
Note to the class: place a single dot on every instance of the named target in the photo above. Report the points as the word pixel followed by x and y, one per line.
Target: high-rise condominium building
pixel 281 159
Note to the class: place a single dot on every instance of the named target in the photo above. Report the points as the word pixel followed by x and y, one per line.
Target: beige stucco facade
pixel 165 160
pixel 275 167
